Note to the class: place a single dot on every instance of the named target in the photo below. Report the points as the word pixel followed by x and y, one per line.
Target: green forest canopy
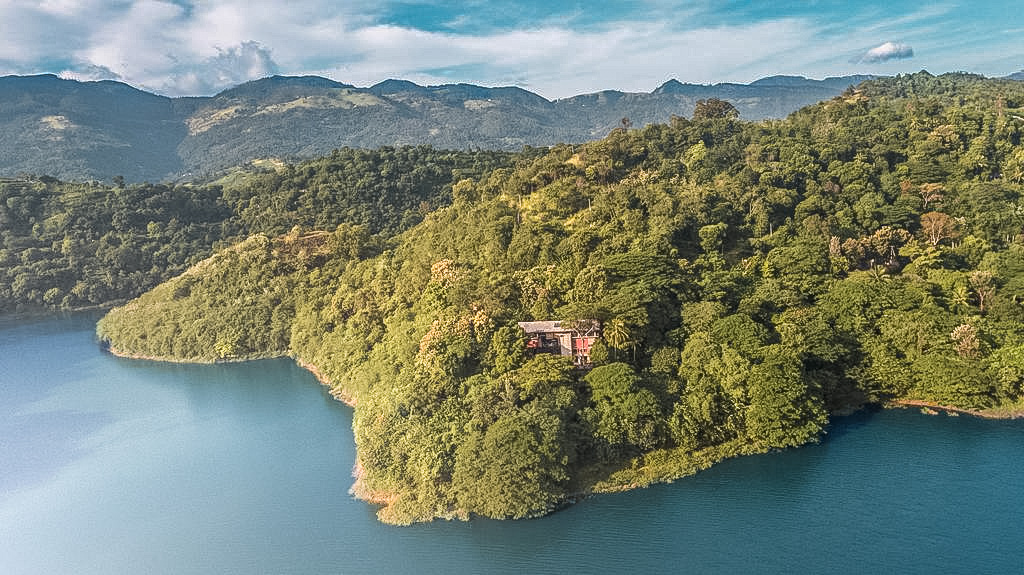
pixel 72 245
pixel 759 276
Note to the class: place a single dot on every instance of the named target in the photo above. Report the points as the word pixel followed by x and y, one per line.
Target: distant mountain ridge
pixel 99 130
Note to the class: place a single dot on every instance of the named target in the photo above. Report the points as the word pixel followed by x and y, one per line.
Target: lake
pixel 113 466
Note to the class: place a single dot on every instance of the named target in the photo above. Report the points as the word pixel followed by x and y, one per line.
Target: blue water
pixel 118 466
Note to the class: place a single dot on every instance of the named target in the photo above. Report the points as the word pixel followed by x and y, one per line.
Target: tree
pixel 1013 170
pixel 507 350
pixel 713 402
pixel 624 416
pixel 786 410
pixel 937 226
pixel 711 239
pixel 714 108
pixel 984 287
pixel 965 337
pixel 516 468
pixel 955 381
pixel 930 193
pixel 616 333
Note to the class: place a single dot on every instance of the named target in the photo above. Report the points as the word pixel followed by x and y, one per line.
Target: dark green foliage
pixel 786 409
pixel 238 304
pixel 514 462
pixel 65 245
pixel 387 190
pixel 714 108
pixel 69 245
pixel 516 468
pixel 625 417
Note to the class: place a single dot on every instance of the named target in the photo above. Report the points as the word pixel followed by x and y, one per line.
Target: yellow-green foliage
pixel 750 279
pixel 238 304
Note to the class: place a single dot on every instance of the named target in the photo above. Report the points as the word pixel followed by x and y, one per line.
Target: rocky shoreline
pixel 995 413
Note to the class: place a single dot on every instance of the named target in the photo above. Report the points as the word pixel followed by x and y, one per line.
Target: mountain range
pixel 99 130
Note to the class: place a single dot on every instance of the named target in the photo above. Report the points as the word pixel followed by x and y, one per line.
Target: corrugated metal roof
pixel 542 326
pixel 557 327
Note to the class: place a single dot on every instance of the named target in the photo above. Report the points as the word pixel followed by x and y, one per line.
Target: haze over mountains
pixel 99 130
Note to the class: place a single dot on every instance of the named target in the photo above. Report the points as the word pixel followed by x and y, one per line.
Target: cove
pixel 110 465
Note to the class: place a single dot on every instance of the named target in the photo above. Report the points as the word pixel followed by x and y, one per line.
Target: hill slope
pixel 98 130
pixel 74 130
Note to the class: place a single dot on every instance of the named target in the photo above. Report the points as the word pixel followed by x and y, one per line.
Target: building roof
pixel 542 326
pixel 585 325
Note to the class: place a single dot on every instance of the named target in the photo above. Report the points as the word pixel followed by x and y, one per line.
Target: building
pixel 571 339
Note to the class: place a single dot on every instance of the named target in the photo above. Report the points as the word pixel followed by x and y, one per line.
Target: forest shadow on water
pixel 841 425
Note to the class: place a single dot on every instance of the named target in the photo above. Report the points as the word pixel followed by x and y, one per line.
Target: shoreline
pixel 991 413
pixel 617 481
pixel 197 361
pixel 338 393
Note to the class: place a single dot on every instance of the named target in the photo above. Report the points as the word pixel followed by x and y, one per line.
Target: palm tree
pixel 616 332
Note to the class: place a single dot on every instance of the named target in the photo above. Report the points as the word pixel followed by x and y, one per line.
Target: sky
pixel 556 49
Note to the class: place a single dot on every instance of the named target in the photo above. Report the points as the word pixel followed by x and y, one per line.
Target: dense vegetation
pixel 71 245
pixel 751 279
pixel 67 245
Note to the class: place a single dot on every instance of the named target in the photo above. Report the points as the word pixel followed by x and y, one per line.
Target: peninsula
pixel 748 280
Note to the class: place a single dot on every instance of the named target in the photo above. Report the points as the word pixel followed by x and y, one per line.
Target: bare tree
pixel 930 193
pixel 965 336
pixel 937 226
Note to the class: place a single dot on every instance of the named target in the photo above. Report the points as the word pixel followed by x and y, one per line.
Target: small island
pixel 738 284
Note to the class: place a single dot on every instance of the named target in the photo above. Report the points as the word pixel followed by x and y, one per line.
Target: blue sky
pixel 557 49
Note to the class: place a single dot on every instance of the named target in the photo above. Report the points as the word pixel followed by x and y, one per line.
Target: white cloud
pixel 138 43
pixel 169 46
pixel 38 31
pixel 89 72
pixel 888 51
pixel 230 67
pixel 559 62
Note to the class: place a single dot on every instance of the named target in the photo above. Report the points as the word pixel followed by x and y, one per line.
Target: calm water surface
pixel 117 466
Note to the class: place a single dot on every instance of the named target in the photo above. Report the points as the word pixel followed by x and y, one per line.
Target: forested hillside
pixel 88 130
pixel 102 130
pixel 750 278
pixel 71 245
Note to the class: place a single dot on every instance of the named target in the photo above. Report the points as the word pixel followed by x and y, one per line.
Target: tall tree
pixel 714 108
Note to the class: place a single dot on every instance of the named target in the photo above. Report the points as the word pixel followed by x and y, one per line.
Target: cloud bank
pixel 194 47
pixel 191 47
